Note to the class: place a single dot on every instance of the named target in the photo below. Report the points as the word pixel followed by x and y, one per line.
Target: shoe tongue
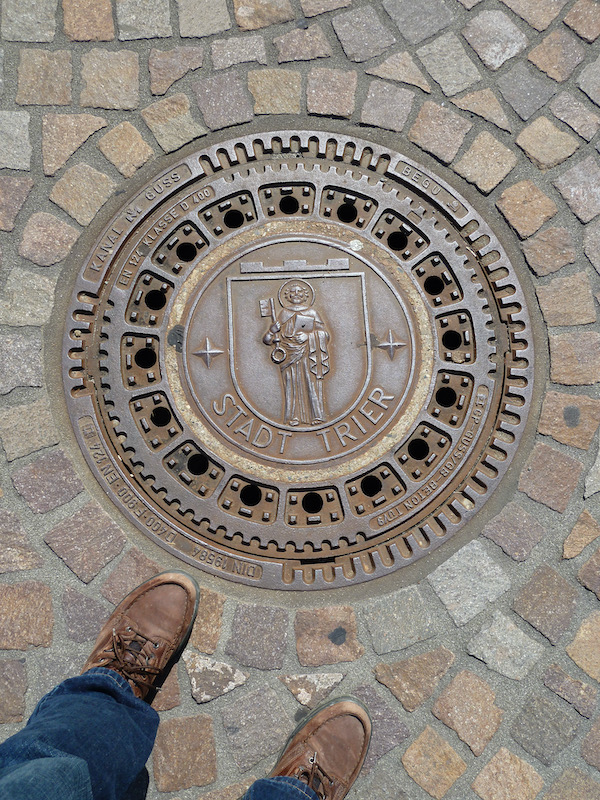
pixel 135 646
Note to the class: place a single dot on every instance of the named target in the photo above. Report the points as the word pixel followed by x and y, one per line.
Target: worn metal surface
pixel 298 360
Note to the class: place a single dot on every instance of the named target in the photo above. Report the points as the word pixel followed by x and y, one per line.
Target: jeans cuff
pixel 121 682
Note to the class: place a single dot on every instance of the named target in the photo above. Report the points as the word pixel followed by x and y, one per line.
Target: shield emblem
pixel 298 345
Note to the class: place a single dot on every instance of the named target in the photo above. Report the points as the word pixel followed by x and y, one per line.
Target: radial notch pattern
pixel 298 360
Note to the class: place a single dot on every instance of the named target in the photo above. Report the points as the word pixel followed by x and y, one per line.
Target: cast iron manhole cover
pixel 298 360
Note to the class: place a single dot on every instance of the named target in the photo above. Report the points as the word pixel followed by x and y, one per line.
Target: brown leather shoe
pixel 147 632
pixel 327 749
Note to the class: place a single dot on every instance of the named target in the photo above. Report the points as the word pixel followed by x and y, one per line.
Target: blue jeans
pixel 89 739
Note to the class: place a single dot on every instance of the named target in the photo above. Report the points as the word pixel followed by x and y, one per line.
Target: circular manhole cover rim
pixel 222 561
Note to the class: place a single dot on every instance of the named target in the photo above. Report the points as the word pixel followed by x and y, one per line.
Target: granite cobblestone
pixel 20 360
pixel 63 135
pixel 505 94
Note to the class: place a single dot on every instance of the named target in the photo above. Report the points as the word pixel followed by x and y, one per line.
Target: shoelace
pixel 316 778
pixel 132 643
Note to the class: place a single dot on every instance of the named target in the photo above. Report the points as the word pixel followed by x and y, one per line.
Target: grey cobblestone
pixel 588 81
pixel 223 100
pixel 446 60
pixel 18 439
pixel 86 541
pixel 468 582
pixel 362 34
pixel 15 147
pixel 29 20
pixel 576 115
pixel 302 45
pixel 544 728
pixel 387 106
pixel 401 67
pixel 255 727
pixel 580 186
pixel 171 122
pixel 312 8
pixel 168 66
pixel 15 553
pixel 20 360
pixel 417 23
pixel 202 19
pixel 388 729
pixel 229 52
pixel 143 19
pixel 26 299
pixel 515 531
pixel 258 637
pixel 419 622
pixel 505 648
pixel 494 37
pixel 525 91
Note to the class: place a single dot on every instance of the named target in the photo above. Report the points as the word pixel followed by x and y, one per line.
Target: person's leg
pixel 280 788
pixel 323 756
pixel 91 736
pixel 91 731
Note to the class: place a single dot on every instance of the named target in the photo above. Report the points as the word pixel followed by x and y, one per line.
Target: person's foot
pixel 147 632
pixel 327 749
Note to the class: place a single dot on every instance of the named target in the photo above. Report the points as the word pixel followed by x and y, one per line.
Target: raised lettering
pixel 285 435
pixel 231 420
pixel 358 425
pixel 369 414
pixel 378 397
pixel 224 400
pixel 324 433
pixel 343 432
pixel 246 429
pixel 264 442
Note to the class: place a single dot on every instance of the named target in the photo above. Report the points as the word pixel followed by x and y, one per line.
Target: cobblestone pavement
pixel 482 677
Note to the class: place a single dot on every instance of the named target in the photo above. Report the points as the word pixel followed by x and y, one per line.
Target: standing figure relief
pixel 299 340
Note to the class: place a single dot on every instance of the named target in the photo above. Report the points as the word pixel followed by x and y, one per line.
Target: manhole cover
pixel 298 360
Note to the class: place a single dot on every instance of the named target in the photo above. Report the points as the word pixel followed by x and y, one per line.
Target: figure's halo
pixel 285 302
